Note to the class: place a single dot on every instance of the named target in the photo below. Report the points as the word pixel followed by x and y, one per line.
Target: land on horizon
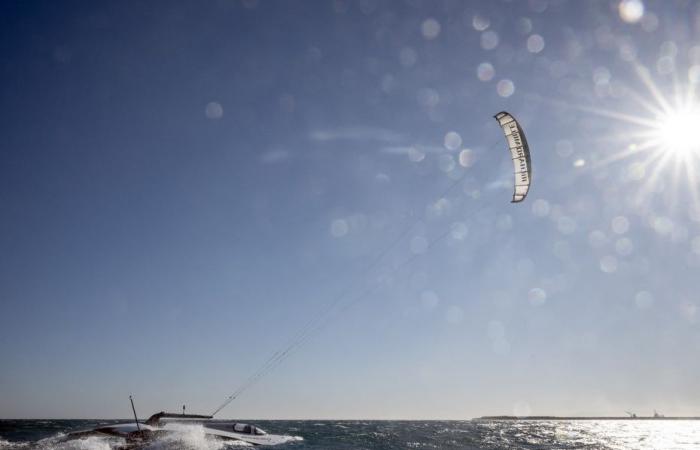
pixel 587 418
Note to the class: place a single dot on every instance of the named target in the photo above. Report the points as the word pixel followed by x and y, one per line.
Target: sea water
pixel 389 435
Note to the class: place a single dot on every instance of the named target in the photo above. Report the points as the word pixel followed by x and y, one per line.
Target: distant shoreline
pixel 585 418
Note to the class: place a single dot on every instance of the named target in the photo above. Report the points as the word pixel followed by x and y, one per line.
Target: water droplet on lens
pixel 214 110
pixel 480 23
pixel 430 28
pixel 620 224
pixel 505 88
pixel 489 40
pixel 485 71
pixel 537 296
pixel 631 11
pixel 608 264
pixel 453 140
pixel 535 43
pixel 429 299
pixel 466 158
pixel 339 228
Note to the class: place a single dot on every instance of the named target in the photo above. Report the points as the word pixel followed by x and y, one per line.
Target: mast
pixel 136 419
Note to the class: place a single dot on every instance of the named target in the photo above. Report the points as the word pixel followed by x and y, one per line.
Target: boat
pixel 163 424
pixel 222 429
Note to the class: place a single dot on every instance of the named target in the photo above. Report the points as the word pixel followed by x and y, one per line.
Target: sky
pixel 187 188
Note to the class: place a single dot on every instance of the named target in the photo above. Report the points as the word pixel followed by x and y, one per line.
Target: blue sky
pixel 184 185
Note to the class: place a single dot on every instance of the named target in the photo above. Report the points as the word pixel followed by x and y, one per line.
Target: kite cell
pixel 520 153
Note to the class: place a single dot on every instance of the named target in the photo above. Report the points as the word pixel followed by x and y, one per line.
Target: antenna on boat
pixel 134 410
pixel 183 410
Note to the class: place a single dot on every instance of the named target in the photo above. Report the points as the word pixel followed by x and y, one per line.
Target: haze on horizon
pixel 184 184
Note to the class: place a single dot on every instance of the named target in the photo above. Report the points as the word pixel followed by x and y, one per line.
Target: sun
pixel 678 132
pixel 659 143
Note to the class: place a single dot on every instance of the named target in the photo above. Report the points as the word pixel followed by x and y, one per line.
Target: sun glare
pixel 678 133
pixel 665 142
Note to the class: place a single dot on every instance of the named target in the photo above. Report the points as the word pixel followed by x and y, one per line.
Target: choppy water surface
pixel 564 434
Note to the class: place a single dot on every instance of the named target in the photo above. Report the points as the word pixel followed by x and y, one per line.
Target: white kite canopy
pixel 519 151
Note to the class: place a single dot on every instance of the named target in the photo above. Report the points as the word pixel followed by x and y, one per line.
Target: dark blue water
pixel 389 435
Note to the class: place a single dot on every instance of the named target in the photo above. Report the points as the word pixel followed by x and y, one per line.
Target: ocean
pixel 389 435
